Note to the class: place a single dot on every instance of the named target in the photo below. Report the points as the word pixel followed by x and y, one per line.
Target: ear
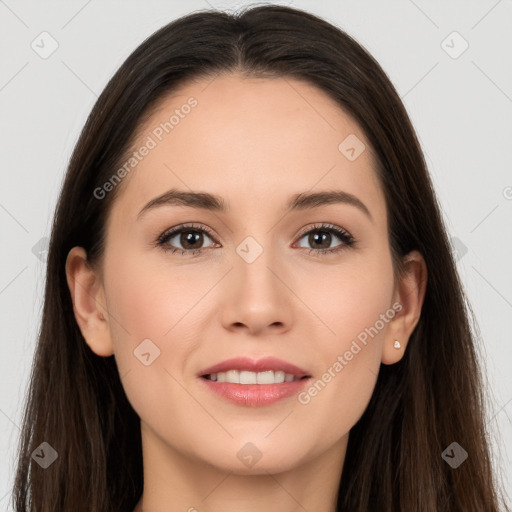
pixel 408 301
pixel 88 298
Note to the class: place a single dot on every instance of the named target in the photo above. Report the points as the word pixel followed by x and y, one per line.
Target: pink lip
pixel 255 395
pixel 260 365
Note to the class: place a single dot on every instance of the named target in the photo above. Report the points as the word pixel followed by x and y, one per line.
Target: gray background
pixel 460 105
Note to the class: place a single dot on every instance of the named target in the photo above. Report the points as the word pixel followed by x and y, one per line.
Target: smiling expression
pixel 283 254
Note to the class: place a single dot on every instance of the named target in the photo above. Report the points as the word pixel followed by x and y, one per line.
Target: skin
pixel 255 142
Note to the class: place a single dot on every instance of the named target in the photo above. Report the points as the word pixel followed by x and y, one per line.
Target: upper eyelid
pixel 323 225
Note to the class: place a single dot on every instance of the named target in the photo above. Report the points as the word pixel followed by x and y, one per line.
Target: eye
pixel 189 236
pixel 321 234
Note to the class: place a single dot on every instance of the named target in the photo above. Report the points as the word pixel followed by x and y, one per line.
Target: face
pixel 310 286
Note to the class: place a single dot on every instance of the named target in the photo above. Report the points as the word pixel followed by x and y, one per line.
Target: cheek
pixel 148 306
pixel 148 296
pixel 356 307
pixel 148 314
pixel 352 297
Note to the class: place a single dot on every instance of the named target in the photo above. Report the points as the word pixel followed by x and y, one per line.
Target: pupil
pixel 322 235
pixel 189 237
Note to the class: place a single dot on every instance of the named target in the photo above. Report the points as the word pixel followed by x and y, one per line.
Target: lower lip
pixel 255 395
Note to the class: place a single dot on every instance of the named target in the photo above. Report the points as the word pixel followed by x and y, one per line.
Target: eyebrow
pixel 211 202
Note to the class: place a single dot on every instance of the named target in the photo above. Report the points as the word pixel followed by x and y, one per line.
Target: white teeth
pixel 279 376
pixel 232 376
pixel 246 377
pixel 265 377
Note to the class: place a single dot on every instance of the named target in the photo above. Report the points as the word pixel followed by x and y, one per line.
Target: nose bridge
pixel 256 264
pixel 259 296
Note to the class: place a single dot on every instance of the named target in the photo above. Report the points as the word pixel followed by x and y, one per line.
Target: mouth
pixel 248 382
pixel 248 377
pixel 244 370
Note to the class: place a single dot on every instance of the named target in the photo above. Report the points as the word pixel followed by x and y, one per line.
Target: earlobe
pixel 87 295
pixel 410 294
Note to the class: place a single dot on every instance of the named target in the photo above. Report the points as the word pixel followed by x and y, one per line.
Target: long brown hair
pixel 431 398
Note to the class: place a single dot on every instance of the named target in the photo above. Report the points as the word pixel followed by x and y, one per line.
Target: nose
pixel 258 297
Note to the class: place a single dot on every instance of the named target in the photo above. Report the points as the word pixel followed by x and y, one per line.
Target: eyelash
pixel 347 239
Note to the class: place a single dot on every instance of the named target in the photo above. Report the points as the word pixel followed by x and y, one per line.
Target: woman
pixel 194 354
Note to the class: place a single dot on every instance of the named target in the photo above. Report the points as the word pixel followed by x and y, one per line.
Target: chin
pixel 256 457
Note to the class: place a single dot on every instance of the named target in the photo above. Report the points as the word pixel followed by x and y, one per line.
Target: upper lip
pixel 255 365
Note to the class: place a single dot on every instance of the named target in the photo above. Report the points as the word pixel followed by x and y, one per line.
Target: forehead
pixel 251 141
